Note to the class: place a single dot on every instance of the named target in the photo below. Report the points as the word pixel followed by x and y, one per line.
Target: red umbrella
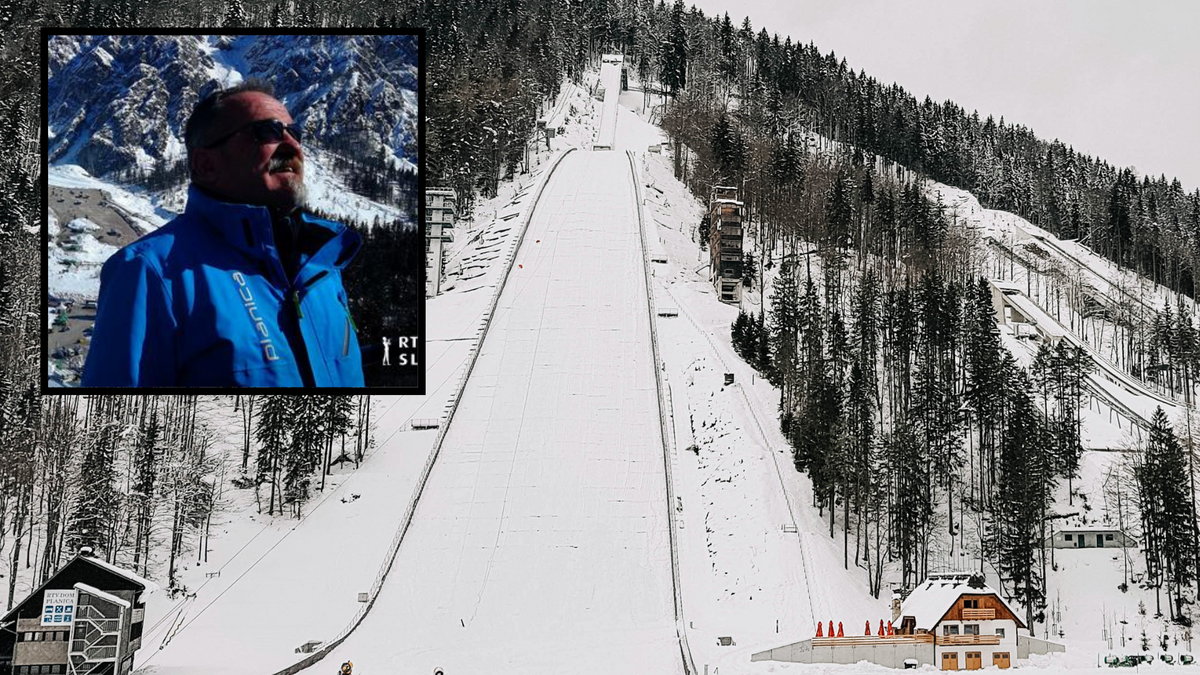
pixel 819 627
pixel 831 628
pixel 881 631
pixel 891 631
pixel 840 633
pixel 868 627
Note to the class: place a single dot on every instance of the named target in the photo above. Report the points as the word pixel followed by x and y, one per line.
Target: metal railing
pixel 685 651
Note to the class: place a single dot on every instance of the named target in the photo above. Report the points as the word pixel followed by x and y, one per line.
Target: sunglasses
pixel 264 131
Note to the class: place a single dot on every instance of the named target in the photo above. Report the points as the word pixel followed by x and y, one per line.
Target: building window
pixel 1067 536
pixel 971 604
pixel 1000 633
pixel 1108 537
pixel 950 629
pixel 971 629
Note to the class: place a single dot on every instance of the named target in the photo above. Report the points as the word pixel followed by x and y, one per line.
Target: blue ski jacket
pixel 204 302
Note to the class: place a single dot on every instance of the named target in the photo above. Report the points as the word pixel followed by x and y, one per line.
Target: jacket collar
pixel 247 228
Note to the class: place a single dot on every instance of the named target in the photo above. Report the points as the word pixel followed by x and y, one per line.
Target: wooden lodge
pixel 952 621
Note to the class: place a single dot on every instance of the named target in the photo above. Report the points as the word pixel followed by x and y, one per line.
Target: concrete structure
pixel 952 621
pixel 890 651
pixel 441 205
pixel 1025 317
pixel 1090 537
pixel 725 243
pixel 86 618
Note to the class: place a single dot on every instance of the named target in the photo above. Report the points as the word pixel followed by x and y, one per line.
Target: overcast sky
pixel 1116 79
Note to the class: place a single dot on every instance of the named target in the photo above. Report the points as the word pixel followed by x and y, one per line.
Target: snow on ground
pixel 324 560
pixel 134 202
pixel 757 562
pixel 610 83
pixel 540 543
pixel 1087 607
pixel 74 267
pixel 490 577
pixel 329 193
pixel 576 558
pixel 1051 259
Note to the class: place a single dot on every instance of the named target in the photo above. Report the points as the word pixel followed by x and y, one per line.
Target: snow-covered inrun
pixel 541 540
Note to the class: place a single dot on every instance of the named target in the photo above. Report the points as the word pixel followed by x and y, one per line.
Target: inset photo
pixel 232 211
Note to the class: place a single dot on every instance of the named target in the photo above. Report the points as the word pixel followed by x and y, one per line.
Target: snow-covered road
pixel 541 542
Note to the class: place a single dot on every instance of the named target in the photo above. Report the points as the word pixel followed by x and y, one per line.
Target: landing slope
pixel 540 544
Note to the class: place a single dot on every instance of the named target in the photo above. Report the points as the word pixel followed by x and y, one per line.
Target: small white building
pixel 1090 537
pixel 441 205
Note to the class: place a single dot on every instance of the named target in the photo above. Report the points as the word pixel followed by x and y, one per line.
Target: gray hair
pixel 208 111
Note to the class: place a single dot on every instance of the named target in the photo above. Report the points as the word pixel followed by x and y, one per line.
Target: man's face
pixel 242 169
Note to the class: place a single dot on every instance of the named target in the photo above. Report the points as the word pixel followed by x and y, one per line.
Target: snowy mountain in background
pixel 119 102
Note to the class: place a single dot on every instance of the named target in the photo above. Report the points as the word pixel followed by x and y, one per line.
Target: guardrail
pixel 406 519
pixel 685 651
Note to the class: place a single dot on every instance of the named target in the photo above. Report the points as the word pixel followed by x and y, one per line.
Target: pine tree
pixel 274 440
pixel 1024 496
pixel 308 430
pixel 675 53
pixel 1168 514
pixel 146 459
pixel 94 512
pixel 784 340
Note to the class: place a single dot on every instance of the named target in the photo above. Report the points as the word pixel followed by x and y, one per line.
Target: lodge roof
pixel 935 597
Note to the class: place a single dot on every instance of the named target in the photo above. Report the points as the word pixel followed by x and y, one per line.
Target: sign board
pixel 58 607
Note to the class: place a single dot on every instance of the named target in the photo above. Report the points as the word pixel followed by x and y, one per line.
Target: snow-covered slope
pixel 540 543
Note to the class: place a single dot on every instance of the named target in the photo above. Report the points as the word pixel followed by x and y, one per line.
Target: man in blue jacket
pixel 243 289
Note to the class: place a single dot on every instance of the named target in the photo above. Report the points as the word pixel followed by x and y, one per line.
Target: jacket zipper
pixel 296 291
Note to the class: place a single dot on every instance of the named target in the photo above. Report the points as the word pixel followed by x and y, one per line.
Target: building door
pixel 1001 660
pixel 1100 540
pixel 974 660
pixel 949 660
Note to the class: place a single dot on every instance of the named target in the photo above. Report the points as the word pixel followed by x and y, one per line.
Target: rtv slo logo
pixel 403 358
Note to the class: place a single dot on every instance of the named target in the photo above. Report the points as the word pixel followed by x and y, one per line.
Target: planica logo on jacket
pixel 204 301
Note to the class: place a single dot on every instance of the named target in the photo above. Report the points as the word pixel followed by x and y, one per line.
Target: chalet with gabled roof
pixel 972 625
pixel 952 621
pixel 86 618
